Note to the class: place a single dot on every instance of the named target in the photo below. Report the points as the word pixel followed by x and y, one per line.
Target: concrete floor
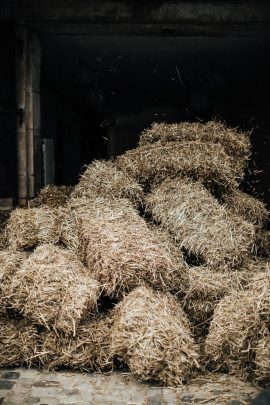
pixel 30 386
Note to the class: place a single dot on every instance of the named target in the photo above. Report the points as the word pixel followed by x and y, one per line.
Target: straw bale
pixel 207 288
pixel 53 196
pixel 70 231
pixel 262 360
pixel 234 330
pixel 9 264
pixel 259 288
pixel 235 142
pixel 4 215
pixel 151 335
pixel 207 162
pixel 200 224
pixel 53 289
pixel 103 179
pixel 246 206
pixel 28 227
pixel 263 243
pixel 178 278
pixel 122 253
pixel 89 350
pixel 18 342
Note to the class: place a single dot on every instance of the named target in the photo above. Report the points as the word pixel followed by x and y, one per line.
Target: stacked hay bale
pixel 151 335
pixel 29 227
pixel 52 196
pixel 165 233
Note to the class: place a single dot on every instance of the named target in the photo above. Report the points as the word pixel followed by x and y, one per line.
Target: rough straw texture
pixel 103 179
pixel 29 227
pixel 206 288
pixel 17 343
pixel 9 264
pixel 151 335
pixel 204 161
pixel 53 289
pixel 53 196
pixel 246 206
pixel 88 351
pixel 259 288
pixel 178 278
pixel 122 253
pixel 235 142
pixel 233 333
pixel 200 224
pixel 262 360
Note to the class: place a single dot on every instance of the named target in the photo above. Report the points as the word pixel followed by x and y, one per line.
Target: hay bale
pixel 262 360
pixel 122 253
pixel 89 350
pixel 259 288
pixel 151 335
pixel 263 243
pixel 18 342
pixel 207 288
pixel 177 281
pixel 53 289
pixel 28 227
pixel 51 195
pixel 200 224
pixel 4 215
pixel 103 179
pixel 9 264
pixel 246 206
pixel 207 162
pixel 234 330
pixel 236 143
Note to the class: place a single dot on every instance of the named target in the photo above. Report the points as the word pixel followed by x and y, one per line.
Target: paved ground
pixel 23 386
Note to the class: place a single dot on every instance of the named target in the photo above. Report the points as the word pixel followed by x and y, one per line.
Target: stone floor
pixel 30 386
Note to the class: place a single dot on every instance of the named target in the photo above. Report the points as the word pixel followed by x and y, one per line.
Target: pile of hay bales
pixel 150 262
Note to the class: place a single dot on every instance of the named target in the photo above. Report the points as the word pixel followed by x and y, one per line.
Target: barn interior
pixel 105 73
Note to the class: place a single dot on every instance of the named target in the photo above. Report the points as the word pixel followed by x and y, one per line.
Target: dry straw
pixel 263 243
pixel 207 288
pixel 53 196
pixel 177 280
pixel 27 228
pixel 89 350
pixel 9 264
pixel 17 343
pixel 233 333
pixel 235 142
pixel 262 360
pixel 201 161
pixel 103 179
pixel 151 335
pixel 259 288
pixel 53 289
pixel 246 206
pixel 200 224
pixel 121 252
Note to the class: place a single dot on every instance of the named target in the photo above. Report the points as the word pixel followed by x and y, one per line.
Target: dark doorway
pixel 7 113
pixel 99 92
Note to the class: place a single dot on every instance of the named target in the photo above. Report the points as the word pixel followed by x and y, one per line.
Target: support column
pixel 28 119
